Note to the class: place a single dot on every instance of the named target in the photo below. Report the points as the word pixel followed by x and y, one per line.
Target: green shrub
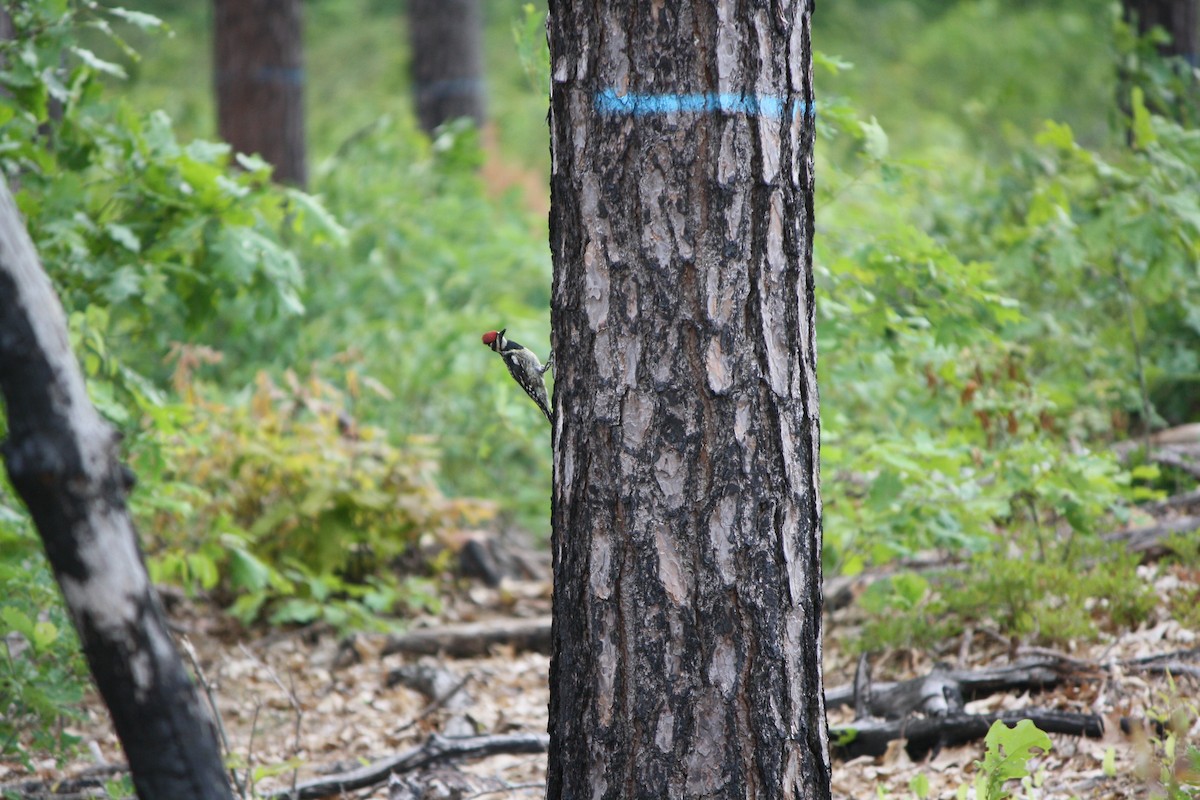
pixel 1114 238
pixel 1046 590
pixel 42 674
pixel 283 503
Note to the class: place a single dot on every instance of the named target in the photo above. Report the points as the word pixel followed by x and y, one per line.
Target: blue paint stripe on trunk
pixel 644 105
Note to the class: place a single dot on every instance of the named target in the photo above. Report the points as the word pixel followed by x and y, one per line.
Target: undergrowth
pixel 282 504
pixel 1042 592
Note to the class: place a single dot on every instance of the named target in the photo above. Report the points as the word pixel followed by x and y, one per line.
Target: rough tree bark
pixel 258 68
pixel 447 60
pixel 1179 18
pixel 62 459
pixel 1180 99
pixel 686 509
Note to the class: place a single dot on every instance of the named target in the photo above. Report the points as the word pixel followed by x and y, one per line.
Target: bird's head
pixel 495 339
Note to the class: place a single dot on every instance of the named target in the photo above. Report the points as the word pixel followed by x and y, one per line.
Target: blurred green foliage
pixel 973 75
pixel 432 263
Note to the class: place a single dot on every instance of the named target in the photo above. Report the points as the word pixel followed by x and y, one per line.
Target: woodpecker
pixel 523 365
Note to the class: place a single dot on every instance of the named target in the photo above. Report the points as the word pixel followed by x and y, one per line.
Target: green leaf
pixel 853 565
pixel 910 587
pixel 1143 130
pixel 296 610
pixel 280 768
pixel 17 621
pixel 875 139
pixel 138 18
pixel 54 86
pixel 246 571
pixel 1146 472
pixel 95 62
pixel 207 152
pixel 1007 756
pixel 247 607
pixel 314 214
pixel 159 136
pixel 1056 134
pixel 203 569
pixel 253 164
pixel 831 64
pixel 124 236
pixel 844 736
pixel 885 489
pixel 123 284
pixel 45 633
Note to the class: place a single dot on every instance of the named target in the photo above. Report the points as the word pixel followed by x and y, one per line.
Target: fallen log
pixel 1182 437
pixel 944 690
pixel 935 693
pixel 1179 662
pixel 1178 458
pixel 473 639
pixel 1185 500
pixel 1150 540
pixel 884 711
pixel 926 735
pixel 89 783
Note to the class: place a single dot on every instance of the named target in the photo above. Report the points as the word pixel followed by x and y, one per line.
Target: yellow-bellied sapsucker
pixel 523 365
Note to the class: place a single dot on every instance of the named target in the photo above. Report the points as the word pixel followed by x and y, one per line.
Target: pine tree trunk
pixel 1170 88
pixel 1179 18
pixel 258 62
pixel 686 509
pixel 447 60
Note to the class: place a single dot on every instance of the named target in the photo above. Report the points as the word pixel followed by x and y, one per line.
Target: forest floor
pixel 303 704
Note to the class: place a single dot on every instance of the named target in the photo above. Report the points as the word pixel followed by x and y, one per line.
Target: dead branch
pixel 1179 662
pixel 436 704
pixel 290 692
pixel 88 784
pixel 435 749
pixel 1177 458
pixel 929 734
pixel 474 639
pixel 945 691
pixel 1149 541
pixel 935 692
pixel 190 651
pixel 1184 437
pixel 1185 500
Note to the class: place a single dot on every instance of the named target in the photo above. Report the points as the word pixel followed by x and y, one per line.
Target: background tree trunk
pixel 447 60
pixel 258 67
pixel 61 458
pixel 1179 18
pixel 1168 81
pixel 686 510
